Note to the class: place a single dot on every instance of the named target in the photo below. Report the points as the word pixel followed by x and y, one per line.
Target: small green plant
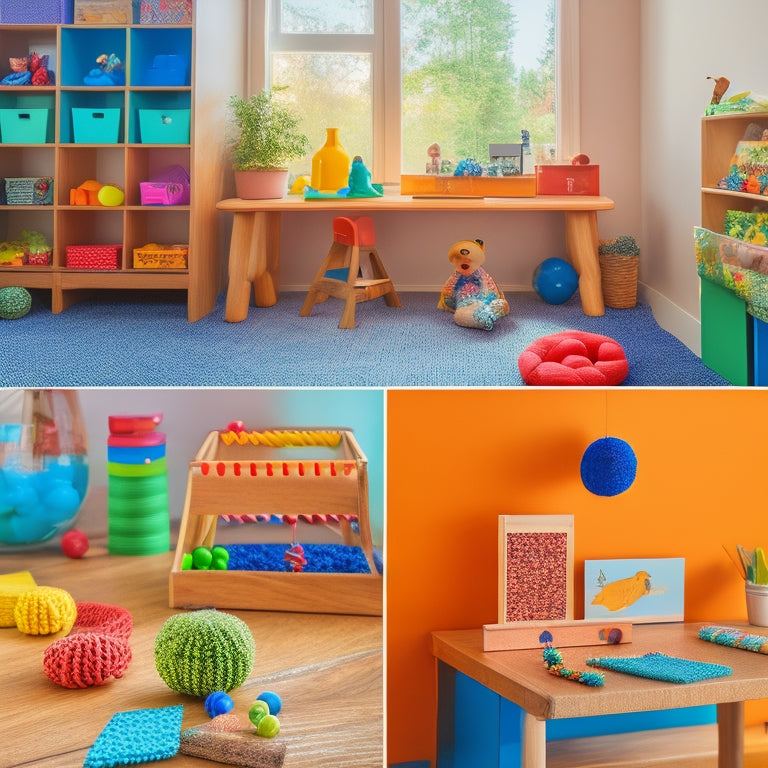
pixel 623 245
pixel 266 134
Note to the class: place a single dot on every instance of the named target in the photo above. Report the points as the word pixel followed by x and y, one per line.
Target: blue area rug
pixel 146 340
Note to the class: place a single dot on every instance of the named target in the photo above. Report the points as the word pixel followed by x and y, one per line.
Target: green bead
pixel 221 552
pixel 186 562
pixel 258 711
pixel 201 558
pixel 269 727
pixel 218 563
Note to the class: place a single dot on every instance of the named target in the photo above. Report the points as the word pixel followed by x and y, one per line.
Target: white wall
pixel 683 42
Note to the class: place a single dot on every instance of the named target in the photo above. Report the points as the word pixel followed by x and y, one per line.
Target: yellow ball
pixel 111 195
pixel 45 611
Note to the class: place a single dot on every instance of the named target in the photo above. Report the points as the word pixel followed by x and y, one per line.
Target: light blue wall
pixel 190 414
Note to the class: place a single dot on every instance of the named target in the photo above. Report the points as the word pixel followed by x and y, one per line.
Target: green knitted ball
pixel 15 302
pixel 204 651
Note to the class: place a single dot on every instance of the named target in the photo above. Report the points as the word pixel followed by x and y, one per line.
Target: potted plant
pixel 619 267
pixel 265 139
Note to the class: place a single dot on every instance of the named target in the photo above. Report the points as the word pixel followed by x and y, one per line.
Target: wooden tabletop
pixel 521 675
pixel 394 201
pixel 328 670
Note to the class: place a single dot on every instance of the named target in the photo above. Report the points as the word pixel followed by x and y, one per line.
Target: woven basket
pixel 619 280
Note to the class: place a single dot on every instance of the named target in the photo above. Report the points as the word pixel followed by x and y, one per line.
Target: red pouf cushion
pixel 573 358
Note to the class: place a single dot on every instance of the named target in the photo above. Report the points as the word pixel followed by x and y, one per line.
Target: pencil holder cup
pixel 757 604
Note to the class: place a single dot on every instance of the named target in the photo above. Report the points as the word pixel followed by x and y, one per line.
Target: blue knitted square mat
pixel 658 666
pixel 139 736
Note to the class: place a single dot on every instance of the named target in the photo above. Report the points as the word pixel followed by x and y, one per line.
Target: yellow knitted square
pixel 11 586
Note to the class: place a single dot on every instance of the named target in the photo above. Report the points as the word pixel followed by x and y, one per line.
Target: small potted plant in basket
pixel 265 139
pixel 39 250
pixel 619 266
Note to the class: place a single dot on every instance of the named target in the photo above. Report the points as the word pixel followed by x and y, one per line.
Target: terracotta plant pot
pixel 261 185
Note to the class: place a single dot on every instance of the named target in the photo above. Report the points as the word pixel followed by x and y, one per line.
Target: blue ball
pixel 608 467
pixel 218 703
pixel 272 700
pixel 555 280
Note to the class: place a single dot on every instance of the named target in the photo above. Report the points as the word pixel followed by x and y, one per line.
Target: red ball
pixel 74 544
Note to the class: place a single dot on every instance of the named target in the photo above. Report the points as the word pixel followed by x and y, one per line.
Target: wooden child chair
pixel 341 275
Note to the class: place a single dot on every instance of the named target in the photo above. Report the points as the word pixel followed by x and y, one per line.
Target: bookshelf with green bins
pixel 121 132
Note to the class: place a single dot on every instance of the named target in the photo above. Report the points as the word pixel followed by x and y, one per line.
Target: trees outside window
pixel 462 73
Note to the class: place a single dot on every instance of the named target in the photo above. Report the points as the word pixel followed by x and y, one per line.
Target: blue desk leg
pixel 476 728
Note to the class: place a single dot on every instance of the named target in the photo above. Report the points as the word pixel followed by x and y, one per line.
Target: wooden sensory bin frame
pixel 232 476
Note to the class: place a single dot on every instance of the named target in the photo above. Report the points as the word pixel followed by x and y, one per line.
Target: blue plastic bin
pixel 96 125
pixel 37 12
pixel 25 126
pixel 164 126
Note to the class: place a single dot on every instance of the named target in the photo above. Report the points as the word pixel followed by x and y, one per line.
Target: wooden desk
pixel 255 246
pixel 328 670
pixel 521 677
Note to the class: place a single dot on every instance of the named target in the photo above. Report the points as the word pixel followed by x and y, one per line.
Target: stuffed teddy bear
pixel 470 292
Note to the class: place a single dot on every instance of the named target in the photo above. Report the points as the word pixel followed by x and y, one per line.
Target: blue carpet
pixel 146 340
pixel 321 558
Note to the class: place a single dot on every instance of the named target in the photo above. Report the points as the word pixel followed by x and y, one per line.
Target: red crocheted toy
pixel 96 649
pixel 573 358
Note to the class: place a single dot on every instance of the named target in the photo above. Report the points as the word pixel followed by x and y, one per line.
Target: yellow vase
pixel 330 164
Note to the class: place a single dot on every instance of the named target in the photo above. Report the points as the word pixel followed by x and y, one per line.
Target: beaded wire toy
pixel 554 661
pixel 734 638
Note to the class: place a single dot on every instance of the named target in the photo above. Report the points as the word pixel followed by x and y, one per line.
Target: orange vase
pixel 330 164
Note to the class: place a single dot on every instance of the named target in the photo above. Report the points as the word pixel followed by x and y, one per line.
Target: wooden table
pixel 327 669
pixel 521 677
pixel 255 245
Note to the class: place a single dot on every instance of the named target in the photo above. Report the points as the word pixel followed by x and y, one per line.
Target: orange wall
pixel 458 459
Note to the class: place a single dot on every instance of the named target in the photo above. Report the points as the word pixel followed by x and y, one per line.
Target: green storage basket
pixel 25 126
pixel 164 126
pixel 96 125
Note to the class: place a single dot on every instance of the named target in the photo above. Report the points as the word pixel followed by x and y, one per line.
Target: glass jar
pixel 43 465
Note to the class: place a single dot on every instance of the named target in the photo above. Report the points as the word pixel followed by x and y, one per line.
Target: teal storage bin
pixel 164 126
pixel 96 125
pixel 25 126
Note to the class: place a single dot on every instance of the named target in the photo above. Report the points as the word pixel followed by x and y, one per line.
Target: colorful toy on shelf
pixel 110 71
pixel 330 164
pixel 358 185
pixel 92 192
pixel 29 70
pixel 434 164
pixel 470 292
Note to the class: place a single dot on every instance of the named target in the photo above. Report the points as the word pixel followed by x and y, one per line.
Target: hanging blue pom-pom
pixel 608 466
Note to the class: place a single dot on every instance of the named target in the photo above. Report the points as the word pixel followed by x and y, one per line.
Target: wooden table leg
pixel 254 254
pixel 730 735
pixel 534 742
pixel 581 241
pixel 446 715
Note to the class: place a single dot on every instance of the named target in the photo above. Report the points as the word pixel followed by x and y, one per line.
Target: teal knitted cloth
pixel 139 736
pixel 658 666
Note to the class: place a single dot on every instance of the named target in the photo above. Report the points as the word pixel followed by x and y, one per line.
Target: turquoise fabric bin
pixel 164 126
pixel 96 125
pixel 25 126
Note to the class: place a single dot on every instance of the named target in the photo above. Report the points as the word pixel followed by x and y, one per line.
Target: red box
pixel 568 179
pixel 94 256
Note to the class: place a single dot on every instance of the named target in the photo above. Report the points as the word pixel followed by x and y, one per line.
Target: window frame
pixel 387 155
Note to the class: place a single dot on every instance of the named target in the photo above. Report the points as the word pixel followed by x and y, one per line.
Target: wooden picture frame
pixel 535 568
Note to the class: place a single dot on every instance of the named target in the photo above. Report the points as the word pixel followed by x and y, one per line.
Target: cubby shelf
pixel 119 133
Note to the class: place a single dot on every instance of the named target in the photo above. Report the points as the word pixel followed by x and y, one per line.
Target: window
pixel 397 75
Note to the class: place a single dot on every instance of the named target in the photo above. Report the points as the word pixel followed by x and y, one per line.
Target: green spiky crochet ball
pixel 204 651
pixel 15 302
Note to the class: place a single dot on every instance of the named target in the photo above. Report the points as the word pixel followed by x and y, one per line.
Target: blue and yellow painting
pixel 642 590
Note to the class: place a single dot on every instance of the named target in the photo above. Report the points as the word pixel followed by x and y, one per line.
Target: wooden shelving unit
pixel 125 160
pixel 730 338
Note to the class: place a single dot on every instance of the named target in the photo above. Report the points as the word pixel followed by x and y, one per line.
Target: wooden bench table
pixel 254 253
pixel 521 677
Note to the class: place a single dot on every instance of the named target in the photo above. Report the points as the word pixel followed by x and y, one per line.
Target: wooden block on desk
pixel 518 635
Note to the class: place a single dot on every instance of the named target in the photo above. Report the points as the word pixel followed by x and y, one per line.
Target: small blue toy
pixel 468 167
pixel 218 703
pixel 555 280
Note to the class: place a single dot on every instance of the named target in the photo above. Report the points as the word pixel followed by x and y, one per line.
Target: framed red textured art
pixel 535 567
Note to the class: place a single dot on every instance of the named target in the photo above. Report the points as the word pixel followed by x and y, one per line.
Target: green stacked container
pixel 139 523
